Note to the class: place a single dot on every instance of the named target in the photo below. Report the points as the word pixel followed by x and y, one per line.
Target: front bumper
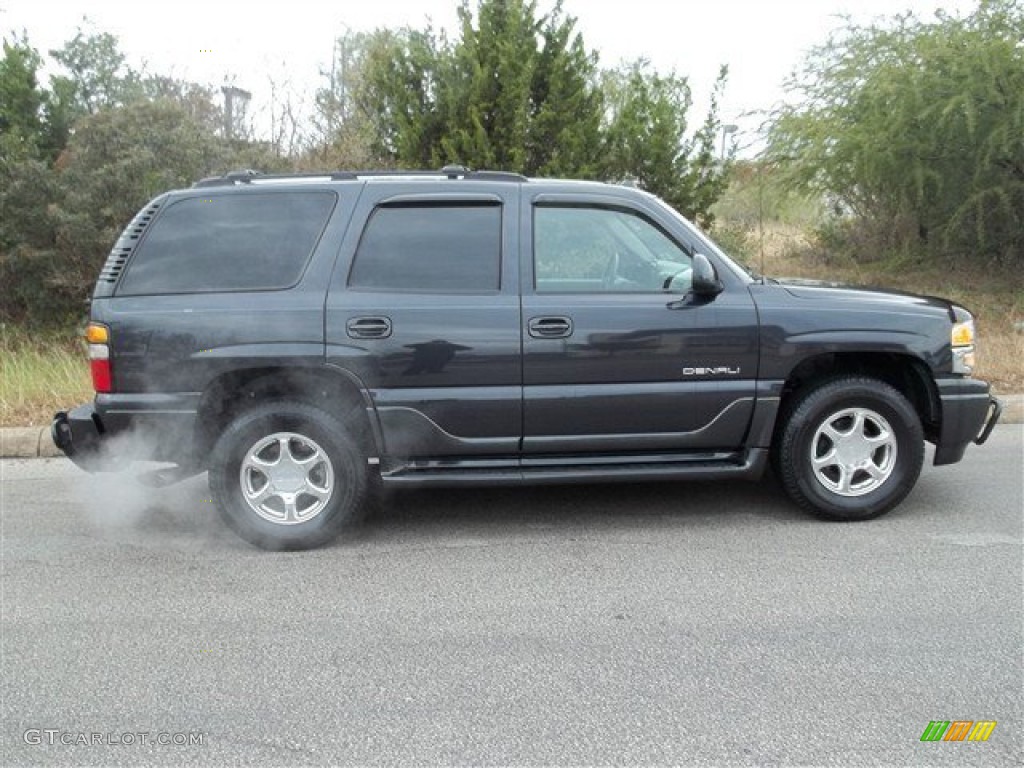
pixel 969 412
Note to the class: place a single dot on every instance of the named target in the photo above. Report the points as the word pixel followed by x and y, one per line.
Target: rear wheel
pixel 850 449
pixel 287 475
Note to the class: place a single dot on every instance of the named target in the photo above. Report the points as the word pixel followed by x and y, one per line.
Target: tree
pixel 519 91
pixel 95 76
pixel 59 223
pixel 566 104
pixel 21 100
pixel 516 91
pixel 78 161
pixel 398 95
pixel 97 72
pixel 200 102
pixel 26 180
pixel 917 130
pixel 342 128
pixel 646 139
pixel 486 101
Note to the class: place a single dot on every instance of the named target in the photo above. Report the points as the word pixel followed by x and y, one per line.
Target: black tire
pixel 866 439
pixel 324 474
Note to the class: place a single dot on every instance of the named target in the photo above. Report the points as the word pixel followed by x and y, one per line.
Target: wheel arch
pixel 328 388
pixel 907 374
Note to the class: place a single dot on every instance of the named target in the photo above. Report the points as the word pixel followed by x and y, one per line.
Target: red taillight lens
pixel 101 378
pixel 99 357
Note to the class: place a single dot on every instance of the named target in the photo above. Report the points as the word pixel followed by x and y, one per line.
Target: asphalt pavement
pixel 701 624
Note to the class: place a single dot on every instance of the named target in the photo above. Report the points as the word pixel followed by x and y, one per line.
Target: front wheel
pixel 287 476
pixel 850 449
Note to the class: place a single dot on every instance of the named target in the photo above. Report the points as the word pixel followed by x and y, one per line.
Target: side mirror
pixel 705 279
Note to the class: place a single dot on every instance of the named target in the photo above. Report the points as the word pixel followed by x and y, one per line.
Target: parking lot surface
pixel 703 624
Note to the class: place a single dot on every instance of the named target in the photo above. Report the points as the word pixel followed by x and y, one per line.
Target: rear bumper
pixel 969 412
pixel 79 433
pixel 112 432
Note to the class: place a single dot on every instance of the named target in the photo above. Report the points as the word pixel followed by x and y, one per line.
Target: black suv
pixel 308 338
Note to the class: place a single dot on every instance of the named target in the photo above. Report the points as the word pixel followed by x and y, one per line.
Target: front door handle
pixel 550 327
pixel 368 327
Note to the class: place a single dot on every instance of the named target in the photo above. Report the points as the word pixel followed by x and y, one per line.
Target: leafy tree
pixel 646 139
pixel 21 99
pixel 520 91
pixel 335 101
pixel 487 100
pixel 398 94
pixel 97 72
pixel 343 132
pixel 64 220
pixel 199 102
pixel 95 76
pixel 567 107
pixel 26 180
pixel 917 130
pixel 516 91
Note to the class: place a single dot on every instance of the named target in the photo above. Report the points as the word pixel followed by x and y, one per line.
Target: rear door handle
pixel 550 327
pixel 368 327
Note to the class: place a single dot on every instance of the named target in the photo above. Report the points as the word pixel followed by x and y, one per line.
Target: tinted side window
pixel 430 249
pixel 582 249
pixel 229 243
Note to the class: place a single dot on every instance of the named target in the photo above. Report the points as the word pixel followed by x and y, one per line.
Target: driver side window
pixel 581 249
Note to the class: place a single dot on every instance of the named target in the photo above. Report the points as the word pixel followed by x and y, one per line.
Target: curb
pixel 35 442
pixel 27 443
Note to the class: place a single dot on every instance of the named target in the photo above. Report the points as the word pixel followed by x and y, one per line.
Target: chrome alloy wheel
pixel 853 452
pixel 286 478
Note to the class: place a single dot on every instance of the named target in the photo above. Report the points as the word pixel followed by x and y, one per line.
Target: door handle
pixel 550 327
pixel 368 327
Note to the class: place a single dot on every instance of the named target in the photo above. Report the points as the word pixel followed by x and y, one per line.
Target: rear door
pixel 424 311
pixel 617 357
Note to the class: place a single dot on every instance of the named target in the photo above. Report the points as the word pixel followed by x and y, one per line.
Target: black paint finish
pixel 500 383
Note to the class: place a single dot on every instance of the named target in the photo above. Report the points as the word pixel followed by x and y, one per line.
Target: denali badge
pixel 721 370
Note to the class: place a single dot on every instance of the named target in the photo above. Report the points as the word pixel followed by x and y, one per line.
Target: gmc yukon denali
pixel 310 339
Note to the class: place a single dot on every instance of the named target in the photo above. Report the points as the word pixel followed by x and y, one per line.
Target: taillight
pixel 98 337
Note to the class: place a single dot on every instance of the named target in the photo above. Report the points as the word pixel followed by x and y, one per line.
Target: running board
pixel 747 466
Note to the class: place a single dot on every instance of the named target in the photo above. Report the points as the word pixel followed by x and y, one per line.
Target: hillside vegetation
pixel 898 159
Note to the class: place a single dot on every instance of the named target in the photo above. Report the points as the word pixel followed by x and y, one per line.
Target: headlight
pixel 962 341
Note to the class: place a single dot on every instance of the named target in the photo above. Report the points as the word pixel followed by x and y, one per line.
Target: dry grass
pixel 996 297
pixel 41 374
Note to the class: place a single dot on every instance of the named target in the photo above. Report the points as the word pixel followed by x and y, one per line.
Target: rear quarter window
pixel 249 242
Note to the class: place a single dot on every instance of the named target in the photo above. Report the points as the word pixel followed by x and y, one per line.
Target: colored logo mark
pixel 958 730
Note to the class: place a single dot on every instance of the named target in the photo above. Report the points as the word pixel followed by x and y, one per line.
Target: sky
pixel 250 43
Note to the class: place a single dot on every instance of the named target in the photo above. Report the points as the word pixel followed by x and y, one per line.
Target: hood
pixel 820 290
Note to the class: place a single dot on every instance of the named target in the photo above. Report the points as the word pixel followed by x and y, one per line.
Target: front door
pixel 618 357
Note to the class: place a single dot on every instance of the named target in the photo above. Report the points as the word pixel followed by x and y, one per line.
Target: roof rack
pixel 450 171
